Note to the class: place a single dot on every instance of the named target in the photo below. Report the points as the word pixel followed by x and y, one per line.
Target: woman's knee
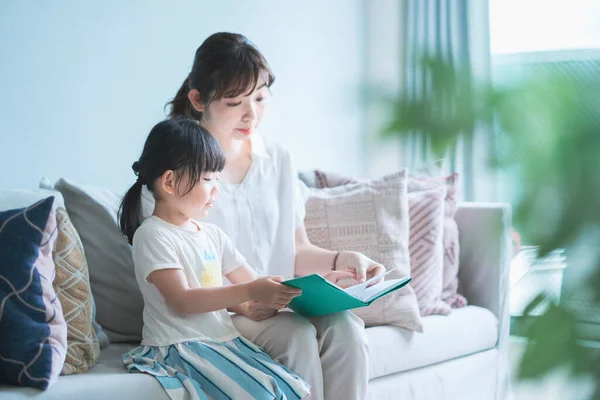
pixel 294 328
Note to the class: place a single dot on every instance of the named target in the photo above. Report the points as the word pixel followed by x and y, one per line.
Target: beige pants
pixel 328 352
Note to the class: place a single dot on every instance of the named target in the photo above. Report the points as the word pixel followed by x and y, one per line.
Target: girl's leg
pixel 344 355
pixel 290 340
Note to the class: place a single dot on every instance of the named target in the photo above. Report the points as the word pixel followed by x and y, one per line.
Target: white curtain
pixel 457 31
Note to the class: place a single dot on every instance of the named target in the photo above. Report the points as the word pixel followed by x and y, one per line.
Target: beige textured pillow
pixel 72 285
pixel 372 218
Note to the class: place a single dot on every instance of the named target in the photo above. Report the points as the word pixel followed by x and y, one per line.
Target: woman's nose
pixel 250 114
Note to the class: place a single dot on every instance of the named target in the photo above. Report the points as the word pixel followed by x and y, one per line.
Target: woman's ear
pixel 167 182
pixel 194 97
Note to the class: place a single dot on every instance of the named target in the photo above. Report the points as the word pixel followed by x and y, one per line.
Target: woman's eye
pixel 234 104
pixel 207 179
pixel 259 99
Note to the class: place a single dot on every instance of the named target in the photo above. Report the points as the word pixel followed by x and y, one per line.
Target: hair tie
pixel 136 168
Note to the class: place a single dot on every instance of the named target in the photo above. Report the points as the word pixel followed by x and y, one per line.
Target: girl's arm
pixel 311 259
pixel 173 285
pixel 240 275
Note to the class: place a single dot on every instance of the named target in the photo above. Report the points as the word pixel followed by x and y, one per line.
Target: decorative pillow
pixel 451 248
pixel 426 215
pixel 32 326
pixel 372 218
pixel 118 301
pixel 47 187
pixel 430 177
pixel 72 286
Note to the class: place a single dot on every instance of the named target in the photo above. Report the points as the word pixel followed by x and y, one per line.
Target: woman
pixel 261 207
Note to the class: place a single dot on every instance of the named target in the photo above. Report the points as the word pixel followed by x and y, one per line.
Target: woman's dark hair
pixel 225 65
pixel 178 144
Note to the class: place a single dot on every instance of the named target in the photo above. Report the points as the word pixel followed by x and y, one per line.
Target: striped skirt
pixel 236 369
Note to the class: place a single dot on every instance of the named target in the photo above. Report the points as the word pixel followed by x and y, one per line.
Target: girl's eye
pixel 207 179
pixel 259 99
pixel 234 104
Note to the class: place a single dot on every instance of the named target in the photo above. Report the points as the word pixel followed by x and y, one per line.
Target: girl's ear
pixel 194 97
pixel 167 183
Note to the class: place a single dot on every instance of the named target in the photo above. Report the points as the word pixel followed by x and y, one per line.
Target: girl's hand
pixel 271 292
pixel 361 265
pixel 257 311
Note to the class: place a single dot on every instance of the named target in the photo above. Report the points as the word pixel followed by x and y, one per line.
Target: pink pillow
pixel 450 236
pixel 450 231
pixel 426 215
pixel 372 218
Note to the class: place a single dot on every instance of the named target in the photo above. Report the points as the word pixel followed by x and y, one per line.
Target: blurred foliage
pixel 548 128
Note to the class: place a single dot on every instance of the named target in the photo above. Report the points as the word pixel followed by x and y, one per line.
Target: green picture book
pixel 320 297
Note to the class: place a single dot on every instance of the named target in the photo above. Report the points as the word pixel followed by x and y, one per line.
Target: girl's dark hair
pixel 180 145
pixel 225 65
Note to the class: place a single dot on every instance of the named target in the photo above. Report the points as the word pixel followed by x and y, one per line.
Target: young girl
pixel 189 342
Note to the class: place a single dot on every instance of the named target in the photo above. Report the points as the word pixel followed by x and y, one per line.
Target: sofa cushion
pixel 108 379
pixel 427 177
pixel 33 331
pixel 426 248
pixel 465 331
pixel 119 303
pixel 372 218
pixel 72 286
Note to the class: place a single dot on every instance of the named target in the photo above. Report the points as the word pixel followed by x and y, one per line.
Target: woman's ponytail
pixel 130 211
pixel 181 106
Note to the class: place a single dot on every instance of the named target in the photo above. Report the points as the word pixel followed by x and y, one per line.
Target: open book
pixel 320 297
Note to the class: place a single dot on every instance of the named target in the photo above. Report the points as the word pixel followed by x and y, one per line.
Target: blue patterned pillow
pixel 32 326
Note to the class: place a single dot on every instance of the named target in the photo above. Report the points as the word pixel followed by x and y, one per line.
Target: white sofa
pixel 458 357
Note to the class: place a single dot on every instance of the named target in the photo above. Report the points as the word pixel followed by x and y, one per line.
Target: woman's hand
pixel 361 265
pixel 341 278
pixel 257 311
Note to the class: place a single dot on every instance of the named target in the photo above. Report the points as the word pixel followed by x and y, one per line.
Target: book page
pixel 365 292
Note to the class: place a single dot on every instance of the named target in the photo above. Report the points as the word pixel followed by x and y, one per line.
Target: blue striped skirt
pixel 205 370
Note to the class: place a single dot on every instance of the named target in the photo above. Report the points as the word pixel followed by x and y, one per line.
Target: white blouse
pixel 262 213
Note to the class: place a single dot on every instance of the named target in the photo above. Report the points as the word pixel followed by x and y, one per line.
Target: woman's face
pixel 236 117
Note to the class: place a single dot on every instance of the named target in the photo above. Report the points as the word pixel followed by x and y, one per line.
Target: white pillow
pixel 19 198
pixel 119 303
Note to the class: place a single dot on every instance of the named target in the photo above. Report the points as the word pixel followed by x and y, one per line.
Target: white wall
pixel 82 84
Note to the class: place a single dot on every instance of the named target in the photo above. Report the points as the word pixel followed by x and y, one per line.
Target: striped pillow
pixel 451 248
pixel 426 216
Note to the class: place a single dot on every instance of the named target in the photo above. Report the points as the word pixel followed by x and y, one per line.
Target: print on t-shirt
pixel 211 276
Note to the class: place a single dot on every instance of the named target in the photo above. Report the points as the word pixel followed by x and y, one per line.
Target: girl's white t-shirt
pixel 204 256
pixel 261 214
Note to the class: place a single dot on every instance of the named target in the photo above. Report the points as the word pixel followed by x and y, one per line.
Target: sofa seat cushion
pixel 108 379
pixel 465 331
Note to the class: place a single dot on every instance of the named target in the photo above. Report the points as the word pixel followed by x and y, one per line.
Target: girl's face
pixel 238 117
pixel 198 202
pixel 195 204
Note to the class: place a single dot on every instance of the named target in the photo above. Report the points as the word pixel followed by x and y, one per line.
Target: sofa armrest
pixel 485 231
pixel 485 248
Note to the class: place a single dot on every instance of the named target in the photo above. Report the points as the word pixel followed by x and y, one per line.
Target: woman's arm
pixel 311 259
pixel 173 285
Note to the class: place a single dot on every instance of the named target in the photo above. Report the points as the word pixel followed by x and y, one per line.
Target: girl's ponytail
pixel 130 211
pixel 181 106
